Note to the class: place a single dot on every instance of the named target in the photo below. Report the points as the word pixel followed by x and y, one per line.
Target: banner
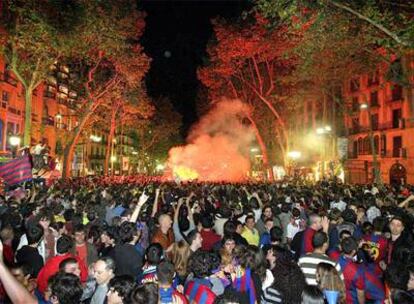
pixel 16 170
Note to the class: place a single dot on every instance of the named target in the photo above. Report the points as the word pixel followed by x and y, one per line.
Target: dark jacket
pixel 30 256
pixel 127 260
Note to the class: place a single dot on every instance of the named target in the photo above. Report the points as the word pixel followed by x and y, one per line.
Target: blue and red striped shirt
pixel 354 278
pixel 199 291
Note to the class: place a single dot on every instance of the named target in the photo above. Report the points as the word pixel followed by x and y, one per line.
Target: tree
pixel 157 135
pixel 106 56
pixel 359 49
pixel 247 61
pixel 121 112
pixel 31 44
pixel 391 20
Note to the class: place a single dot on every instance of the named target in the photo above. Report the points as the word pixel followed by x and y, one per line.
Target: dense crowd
pixel 139 240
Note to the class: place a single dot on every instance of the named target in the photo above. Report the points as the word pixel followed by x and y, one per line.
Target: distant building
pixel 386 109
pixel 54 106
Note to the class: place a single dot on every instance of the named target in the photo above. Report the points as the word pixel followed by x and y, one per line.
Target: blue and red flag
pixel 199 292
pixel 245 284
pixel 16 171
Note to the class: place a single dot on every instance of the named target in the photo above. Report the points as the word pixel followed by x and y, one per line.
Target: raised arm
pixel 16 291
pixel 190 211
pixel 177 209
pixel 406 201
pixel 142 199
pixel 259 200
pixel 155 206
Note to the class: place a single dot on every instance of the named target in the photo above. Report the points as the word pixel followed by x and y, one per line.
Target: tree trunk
pixel 263 148
pixel 109 143
pixel 27 116
pixel 313 114
pixel 70 146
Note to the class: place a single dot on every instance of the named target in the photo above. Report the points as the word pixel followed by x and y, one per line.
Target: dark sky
pixel 175 38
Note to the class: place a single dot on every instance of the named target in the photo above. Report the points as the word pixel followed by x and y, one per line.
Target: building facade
pixel 380 125
pixel 54 107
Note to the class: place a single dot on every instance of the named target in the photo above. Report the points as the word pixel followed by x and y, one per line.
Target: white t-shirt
pixel 341 205
pixel 292 230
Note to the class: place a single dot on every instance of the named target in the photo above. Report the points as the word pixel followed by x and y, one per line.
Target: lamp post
pixel 14 141
pixel 325 131
pixel 293 156
pixel 377 172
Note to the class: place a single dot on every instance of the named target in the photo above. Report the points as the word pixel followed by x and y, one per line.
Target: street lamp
pixel 320 131
pixel 95 138
pixel 363 106
pixel 159 167
pixel 254 150
pixel 294 155
pixel 14 140
pixel 324 130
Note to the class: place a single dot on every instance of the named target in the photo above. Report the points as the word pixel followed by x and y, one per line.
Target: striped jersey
pixel 310 261
pixel 354 278
pixel 271 296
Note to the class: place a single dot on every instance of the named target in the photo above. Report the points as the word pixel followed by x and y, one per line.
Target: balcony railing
pixel 394 153
pixel 7 77
pixel 402 124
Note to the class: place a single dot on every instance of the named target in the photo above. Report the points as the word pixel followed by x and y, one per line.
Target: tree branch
pixel 259 77
pixel 370 21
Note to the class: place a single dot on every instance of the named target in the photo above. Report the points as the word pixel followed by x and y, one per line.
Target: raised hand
pixel 143 199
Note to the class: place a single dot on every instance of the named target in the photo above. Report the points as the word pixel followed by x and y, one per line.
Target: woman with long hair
pixel 180 253
pixel 328 278
pixel 249 272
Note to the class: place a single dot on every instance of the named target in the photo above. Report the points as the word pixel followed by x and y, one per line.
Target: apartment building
pixel 380 125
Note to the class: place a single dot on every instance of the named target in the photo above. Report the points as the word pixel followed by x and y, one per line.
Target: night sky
pixel 175 38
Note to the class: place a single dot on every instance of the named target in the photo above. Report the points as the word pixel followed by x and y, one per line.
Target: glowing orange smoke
pixel 218 146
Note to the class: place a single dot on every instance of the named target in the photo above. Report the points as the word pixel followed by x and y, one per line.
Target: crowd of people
pixel 102 240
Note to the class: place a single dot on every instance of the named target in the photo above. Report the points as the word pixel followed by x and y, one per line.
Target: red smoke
pixel 218 146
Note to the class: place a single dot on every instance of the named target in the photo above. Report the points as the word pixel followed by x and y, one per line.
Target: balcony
pixel 394 153
pixel 8 78
pixel 15 111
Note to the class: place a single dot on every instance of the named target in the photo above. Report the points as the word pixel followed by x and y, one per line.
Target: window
pixel 383 144
pixel 354 85
pixel 397 92
pixel 374 122
pixel 355 149
pixel 355 125
pixel 376 144
pixel 396 146
pixel 360 146
pixel 5 96
pixel 373 78
pixel 396 117
pixel 367 146
pixel 355 104
pixel 374 99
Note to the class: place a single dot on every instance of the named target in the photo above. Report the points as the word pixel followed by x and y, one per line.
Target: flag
pixel 16 170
